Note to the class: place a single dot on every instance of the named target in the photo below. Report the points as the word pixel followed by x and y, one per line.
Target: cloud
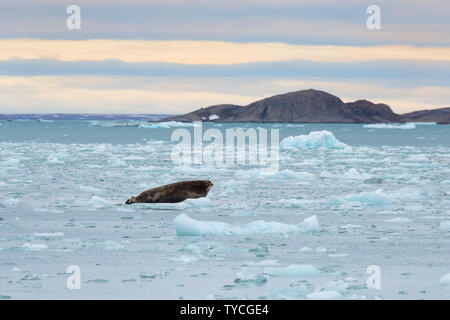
pixel 416 22
pixel 398 73
pixel 120 94
pixel 206 52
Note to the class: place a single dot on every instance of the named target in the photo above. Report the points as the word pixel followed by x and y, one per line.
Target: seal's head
pixel 208 185
pixel 131 200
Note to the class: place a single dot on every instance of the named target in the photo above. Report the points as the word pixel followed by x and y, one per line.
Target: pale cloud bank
pixel 95 94
pixel 206 52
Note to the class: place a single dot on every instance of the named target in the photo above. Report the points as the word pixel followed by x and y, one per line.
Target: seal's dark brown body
pixel 174 192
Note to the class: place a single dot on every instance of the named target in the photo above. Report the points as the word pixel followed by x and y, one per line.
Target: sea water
pixel 308 231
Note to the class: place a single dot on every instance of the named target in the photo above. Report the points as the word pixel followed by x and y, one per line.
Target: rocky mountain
pixel 441 116
pixel 299 106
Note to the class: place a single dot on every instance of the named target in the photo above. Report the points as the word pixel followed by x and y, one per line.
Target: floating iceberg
pixel 445 280
pixel 34 247
pixel 399 220
pixel 168 124
pixel 445 226
pixel 324 295
pixel 96 202
pixel 294 270
pixel 390 126
pixel 314 140
pixel 374 198
pixel 48 234
pixel 253 174
pixel 11 202
pixel 184 225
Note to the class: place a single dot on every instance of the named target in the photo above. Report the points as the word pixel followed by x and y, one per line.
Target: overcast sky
pixel 173 56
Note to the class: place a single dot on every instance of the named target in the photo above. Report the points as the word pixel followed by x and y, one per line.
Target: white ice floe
pixel 424 123
pixel 90 189
pixel 293 270
pixel 399 220
pixel 188 203
pixel 55 160
pixel 200 202
pixel 253 174
pixel 214 117
pixel 297 203
pixel 110 245
pixel 48 234
pixel 324 295
pixel 373 198
pixel 445 280
pixel 314 140
pixel 95 202
pixel 340 286
pixel 444 226
pixel 390 126
pixel 184 259
pixel 266 263
pixel 11 203
pixel 34 247
pixel 249 277
pixel 352 174
pixel 418 157
pixel 294 291
pixel 168 124
pixel 184 225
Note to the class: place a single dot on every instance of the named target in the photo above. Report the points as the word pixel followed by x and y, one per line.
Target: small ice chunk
pixel 390 126
pixel 48 234
pixel 245 277
pixel 34 247
pixel 399 220
pixel 445 280
pixel 444 226
pixel 324 295
pixel 11 202
pixel 214 117
pixel 293 270
pixel 374 198
pixel 185 259
pixel 254 174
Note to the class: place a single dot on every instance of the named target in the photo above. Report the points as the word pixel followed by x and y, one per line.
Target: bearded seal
pixel 174 192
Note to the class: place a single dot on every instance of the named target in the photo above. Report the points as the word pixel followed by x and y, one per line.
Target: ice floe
pixel 444 226
pixel 34 247
pixel 251 174
pixel 48 234
pixel 314 140
pixel 168 124
pixel 293 270
pixel 184 225
pixel 399 220
pixel 445 280
pixel 373 198
pixel 390 126
pixel 324 295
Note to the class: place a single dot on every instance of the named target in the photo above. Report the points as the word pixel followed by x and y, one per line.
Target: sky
pixel 174 56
